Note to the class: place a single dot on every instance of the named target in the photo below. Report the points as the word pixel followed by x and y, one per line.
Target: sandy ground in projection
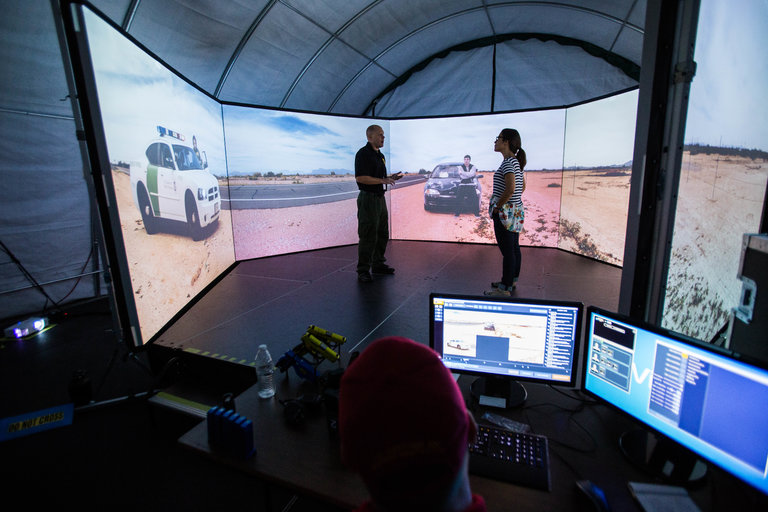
pixel 168 269
pixel 525 335
pixel 583 211
pixel 307 227
pixel 720 198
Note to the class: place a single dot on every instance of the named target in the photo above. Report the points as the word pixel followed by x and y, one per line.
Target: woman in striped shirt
pixel 508 187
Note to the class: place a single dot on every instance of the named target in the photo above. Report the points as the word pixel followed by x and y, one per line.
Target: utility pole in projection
pixel 717 165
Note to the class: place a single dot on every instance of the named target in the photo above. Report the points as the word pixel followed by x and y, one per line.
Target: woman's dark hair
pixel 512 137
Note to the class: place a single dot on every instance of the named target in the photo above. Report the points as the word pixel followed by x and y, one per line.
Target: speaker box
pixel 748 329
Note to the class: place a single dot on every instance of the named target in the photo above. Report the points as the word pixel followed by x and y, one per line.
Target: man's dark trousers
pixel 372 229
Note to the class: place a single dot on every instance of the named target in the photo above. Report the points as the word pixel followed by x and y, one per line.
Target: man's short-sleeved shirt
pixel 370 162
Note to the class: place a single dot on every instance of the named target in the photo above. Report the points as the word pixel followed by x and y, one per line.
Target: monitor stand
pixel 501 392
pixel 662 457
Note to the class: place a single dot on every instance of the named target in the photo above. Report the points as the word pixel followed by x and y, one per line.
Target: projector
pixel 26 327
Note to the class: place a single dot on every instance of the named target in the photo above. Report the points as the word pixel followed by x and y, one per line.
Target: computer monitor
pixel 691 393
pixel 504 340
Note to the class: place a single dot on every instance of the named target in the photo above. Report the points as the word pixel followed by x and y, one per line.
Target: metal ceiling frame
pixel 623 24
pixel 628 67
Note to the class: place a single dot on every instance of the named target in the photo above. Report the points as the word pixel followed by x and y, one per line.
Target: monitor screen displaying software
pixel 691 393
pixel 520 339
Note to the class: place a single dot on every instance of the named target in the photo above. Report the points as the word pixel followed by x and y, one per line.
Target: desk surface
pixel 583 444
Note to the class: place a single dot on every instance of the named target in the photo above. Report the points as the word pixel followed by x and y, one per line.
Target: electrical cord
pixel 592 443
pixel 57 309
pixel 555 444
pixel 585 401
pixel 29 276
pixel 79 276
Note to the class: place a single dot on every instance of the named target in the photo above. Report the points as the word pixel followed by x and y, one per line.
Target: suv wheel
pixel 193 219
pixel 147 217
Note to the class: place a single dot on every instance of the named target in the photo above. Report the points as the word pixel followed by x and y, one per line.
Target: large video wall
pixel 724 170
pixel 291 179
pixel 166 149
pixel 200 185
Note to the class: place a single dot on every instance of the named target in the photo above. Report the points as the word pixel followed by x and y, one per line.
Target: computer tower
pixel 748 327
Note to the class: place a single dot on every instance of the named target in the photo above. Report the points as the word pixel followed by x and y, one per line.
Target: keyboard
pixel 515 457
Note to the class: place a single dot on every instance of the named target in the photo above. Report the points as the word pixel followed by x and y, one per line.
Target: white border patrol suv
pixel 174 183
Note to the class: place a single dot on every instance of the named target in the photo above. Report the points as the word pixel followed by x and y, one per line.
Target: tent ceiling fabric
pixel 342 56
pixel 413 57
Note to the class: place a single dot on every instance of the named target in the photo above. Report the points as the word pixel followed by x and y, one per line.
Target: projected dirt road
pixel 266 232
pixel 298 191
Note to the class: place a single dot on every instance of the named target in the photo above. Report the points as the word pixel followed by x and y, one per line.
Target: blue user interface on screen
pixel 707 401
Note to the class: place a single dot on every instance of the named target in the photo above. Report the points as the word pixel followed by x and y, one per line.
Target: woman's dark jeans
pixel 509 245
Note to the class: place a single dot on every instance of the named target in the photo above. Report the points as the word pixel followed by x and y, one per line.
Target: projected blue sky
pixel 602 132
pixel 424 143
pixel 596 134
pixel 136 94
pixel 727 105
pixel 264 141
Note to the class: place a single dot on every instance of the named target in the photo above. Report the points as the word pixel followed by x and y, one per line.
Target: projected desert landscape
pixel 584 211
pixel 168 268
pixel 721 198
pixel 542 202
pixel 592 220
pixel 307 227
pixel 593 215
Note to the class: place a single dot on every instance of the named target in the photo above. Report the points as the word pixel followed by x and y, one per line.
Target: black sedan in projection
pixel 446 190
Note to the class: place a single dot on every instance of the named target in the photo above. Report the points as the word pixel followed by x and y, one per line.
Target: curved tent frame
pixel 325 57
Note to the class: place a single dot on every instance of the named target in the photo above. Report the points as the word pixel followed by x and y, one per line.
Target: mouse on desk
pixel 590 497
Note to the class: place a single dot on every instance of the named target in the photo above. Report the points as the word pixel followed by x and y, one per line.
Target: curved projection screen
pixel 724 169
pixel 577 176
pixel 292 179
pixel 292 187
pixel 200 185
pixel 165 142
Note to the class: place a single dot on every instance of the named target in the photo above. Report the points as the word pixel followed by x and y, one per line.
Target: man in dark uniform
pixel 372 221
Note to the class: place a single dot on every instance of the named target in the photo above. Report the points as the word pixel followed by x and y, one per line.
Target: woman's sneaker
pixel 499 284
pixel 497 292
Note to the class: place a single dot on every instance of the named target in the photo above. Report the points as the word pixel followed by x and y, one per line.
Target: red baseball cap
pixel 403 423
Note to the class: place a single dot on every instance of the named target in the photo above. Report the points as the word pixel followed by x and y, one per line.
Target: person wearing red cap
pixel 405 429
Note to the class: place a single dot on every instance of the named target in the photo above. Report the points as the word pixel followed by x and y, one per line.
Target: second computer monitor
pixel 688 393
pixel 504 340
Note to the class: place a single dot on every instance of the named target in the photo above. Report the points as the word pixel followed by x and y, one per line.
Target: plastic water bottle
pixel 264 372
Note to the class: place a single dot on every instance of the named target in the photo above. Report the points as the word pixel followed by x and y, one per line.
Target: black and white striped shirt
pixel 508 165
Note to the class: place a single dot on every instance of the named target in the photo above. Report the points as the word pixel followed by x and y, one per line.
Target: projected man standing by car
pixel 454 187
pixel 466 191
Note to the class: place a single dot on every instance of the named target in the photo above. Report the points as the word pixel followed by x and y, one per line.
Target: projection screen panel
pixel 166 150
